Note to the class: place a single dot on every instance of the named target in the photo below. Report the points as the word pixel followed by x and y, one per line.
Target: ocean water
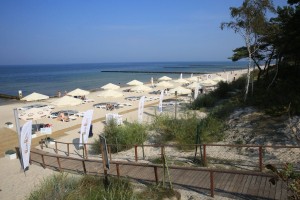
pixel 49 79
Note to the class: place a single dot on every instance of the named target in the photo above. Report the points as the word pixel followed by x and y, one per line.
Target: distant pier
pixel 7 96
pixel 152 72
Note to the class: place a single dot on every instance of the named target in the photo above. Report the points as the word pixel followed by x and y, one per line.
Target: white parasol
pixel 78 92
pixel 34 114
pixel 135 83
pixel 164 78
pixel 35 97
pixel 208 83
pixel 165 84
pixel 194 85
pixel 181 80
pixel 180 90
pixel 110 86
pixel 141 88
pixel 218 79
pixel 110 93
pixel 67 101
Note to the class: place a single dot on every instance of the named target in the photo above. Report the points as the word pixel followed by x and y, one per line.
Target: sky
pixel 97 31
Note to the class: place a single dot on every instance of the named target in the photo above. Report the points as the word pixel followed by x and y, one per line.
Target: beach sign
pixel 141 109
pixel 85 127
pixel 25 143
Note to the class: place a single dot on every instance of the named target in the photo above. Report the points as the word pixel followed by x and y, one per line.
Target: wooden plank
pixel 266 192
pixel 262 186
pixel 232 181
pixel 221 180
pixel 251 188
pixel 247 184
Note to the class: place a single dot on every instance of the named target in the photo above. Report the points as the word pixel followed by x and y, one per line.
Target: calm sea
pixel 49 79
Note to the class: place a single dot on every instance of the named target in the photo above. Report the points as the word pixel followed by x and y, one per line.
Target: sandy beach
pixel 16 185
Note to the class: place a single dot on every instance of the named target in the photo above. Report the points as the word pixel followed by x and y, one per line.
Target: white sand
pixel 15 185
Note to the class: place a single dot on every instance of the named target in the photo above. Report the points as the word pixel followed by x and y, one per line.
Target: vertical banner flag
pixel 141 109
pixel 85 127
pixel 192 75
pixel 160 101
pixel 196 92
pixel 180 76
pixel 25 143
pixel 152 84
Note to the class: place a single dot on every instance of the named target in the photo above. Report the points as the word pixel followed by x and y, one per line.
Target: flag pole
pixel 18 132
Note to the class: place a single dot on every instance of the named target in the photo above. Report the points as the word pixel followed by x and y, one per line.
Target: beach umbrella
pixel 164 78
pixel 34 114
pixel 180 90
pixel 110 93
pixel 135 83
pixel 110 86
pixel 141 88
pixel 78 92
pixel 67 101
pixel 208 83
pixel 194 79
pixel 165 84
pixel 194 85
pixel 181 80
pixel 218 79
pixel 35 97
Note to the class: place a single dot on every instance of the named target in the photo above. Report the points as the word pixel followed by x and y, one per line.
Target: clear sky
pixel 93 31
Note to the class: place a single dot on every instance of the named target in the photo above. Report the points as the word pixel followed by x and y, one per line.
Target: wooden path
pixel 230 184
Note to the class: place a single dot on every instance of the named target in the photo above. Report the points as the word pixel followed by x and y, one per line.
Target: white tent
pixel 110 86
pixel 78 92
pixel 165 84
pixel 35 97
pixel 110 93
pixel 141 88
pixel 194 79
pixel 164 78
pixel 180 90
pixel 135 83
pixel 67 101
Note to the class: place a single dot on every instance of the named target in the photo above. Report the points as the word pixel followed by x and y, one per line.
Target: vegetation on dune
pixel 122 137
pixel 62 186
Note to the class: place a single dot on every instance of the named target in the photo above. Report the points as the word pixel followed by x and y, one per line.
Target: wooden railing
pixel 260 148
pixel 154 166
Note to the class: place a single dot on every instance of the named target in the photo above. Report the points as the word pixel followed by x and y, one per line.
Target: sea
pixel 49 79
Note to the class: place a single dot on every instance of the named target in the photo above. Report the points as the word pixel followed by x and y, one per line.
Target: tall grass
pixel 122 137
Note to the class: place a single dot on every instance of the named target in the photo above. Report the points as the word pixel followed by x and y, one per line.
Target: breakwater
pixel 152 72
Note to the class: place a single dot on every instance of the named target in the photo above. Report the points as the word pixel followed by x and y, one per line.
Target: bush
pixel 62 186
pixel 206 100
pixel 121 137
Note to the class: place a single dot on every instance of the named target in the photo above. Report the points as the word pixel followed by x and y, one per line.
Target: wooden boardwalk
pixel 230 184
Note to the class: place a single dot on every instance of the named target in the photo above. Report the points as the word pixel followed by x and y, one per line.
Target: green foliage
pixel 157 193
pixel 122 137
pixel 289 176
pixel 211 129
pixel 180 130
pixel 282 97
pixel 206 100
pixel 62 186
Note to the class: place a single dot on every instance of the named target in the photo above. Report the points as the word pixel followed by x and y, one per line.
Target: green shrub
pixel 211 129
pixel 121 137
pixel 206 100
pixel 62 186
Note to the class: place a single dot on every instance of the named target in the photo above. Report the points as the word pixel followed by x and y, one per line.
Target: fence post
pixel 86 155
pixel 68 147
pixel 44 165
pixel 260 158
pixel 83 165
pixel 135 153
pixel 156 174
pixel 56 147
pixel 162 150
pixel 109 151
pixel 58 162
pixel 212 189
pixel 204 154
pixel 118 170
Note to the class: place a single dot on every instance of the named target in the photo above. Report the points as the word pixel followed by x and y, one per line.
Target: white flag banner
pixel 25 143
pixel 141 109
pixel 85 127
pixel 152 83
pixel 196 92
pixel 180 76
pixel 161 97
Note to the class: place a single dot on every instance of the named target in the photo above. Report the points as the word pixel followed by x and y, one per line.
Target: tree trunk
pixel 249 65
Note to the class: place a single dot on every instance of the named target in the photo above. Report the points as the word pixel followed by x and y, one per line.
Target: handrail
pixel 154 166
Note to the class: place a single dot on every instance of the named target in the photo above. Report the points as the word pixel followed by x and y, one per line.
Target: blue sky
pixel 94 31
